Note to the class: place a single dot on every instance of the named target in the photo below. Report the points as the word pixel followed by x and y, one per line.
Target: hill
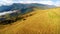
pixel 41 22
pixel 19 6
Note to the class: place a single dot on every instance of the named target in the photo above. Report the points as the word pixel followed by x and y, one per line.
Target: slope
pixel 42 22
pixel 19 6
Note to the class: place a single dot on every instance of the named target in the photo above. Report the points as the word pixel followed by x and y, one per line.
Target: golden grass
pixel 42 22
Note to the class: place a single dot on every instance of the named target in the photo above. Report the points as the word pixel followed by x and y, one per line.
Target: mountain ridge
pixel 19 6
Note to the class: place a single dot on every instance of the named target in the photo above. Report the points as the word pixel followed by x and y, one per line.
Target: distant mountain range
pixel 19 6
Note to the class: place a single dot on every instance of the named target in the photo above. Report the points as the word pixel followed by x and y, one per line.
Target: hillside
pixel 19 6
pixel 40 22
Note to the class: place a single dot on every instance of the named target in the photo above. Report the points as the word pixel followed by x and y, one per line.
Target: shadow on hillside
pixel 4 24
pixel 12 21
pixel 9 21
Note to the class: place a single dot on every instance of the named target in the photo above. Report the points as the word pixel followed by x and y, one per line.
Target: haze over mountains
pixel 19 6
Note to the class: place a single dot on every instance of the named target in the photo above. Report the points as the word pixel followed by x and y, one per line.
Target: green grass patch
pixel 53 15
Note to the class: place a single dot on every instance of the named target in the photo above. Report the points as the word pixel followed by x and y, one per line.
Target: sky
pixel 49 2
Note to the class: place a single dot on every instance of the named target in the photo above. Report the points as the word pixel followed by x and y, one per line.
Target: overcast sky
pixel 49 2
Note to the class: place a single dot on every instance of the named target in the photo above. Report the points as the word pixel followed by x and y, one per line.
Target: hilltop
pixel 40 22
pixel 19 6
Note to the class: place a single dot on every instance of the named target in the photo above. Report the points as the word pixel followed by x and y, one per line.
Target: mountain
pixel 5 8
pixel 43 6
pixel 19 6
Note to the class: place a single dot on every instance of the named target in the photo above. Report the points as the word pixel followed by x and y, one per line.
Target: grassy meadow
pixel 37 22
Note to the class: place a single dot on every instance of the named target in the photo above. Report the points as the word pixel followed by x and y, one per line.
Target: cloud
pixel 42 2
pixel 57 3
pixel 49 2
pixel 6 2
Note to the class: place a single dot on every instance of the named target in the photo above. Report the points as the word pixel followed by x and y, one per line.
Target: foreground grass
pixel 41 22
